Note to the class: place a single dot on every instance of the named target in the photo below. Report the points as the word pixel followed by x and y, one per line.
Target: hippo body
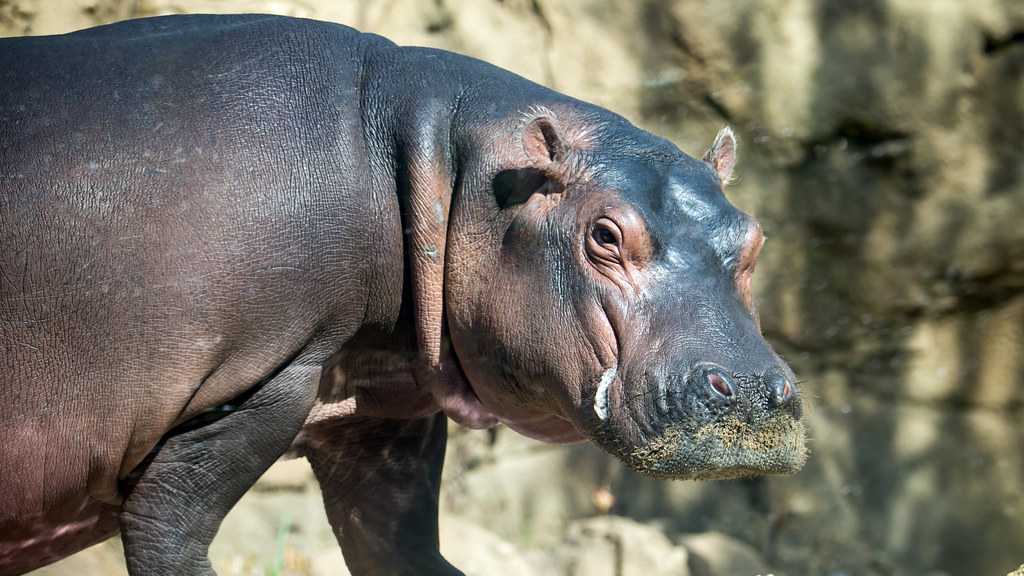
pixel 224 237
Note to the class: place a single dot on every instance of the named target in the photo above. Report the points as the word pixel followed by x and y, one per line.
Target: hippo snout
pixel 782 392
pixel 713 390
pixel 715 422
pixel 720 383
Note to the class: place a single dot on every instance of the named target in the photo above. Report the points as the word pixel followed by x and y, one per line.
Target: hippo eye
pixel 604 244
pixel 606 233
pixel 605 236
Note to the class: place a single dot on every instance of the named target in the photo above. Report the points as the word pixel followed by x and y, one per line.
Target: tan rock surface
pixel 615 546
pixel 714 553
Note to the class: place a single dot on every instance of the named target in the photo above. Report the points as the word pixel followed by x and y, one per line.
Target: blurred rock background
pixel 882 146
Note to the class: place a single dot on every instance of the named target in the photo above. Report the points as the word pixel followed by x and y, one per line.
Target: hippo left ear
pixel 545 150
pixel 722 155
pixel 543 142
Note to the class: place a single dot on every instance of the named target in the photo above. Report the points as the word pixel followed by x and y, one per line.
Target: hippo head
pixel 598 285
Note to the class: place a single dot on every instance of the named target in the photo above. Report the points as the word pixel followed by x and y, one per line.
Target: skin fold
pixel 227 237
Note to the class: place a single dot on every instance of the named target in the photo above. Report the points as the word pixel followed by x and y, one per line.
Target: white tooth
pixel 603 388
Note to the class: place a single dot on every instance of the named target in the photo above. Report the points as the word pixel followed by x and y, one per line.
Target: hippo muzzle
pixel 707 422
pixel 726 425
pixel 695 390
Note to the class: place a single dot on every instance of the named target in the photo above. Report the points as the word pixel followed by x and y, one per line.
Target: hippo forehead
pixel 682 203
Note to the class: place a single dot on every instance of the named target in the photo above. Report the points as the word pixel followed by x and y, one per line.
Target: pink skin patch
pixel 546 428
pixel 719 384
pixel 460 403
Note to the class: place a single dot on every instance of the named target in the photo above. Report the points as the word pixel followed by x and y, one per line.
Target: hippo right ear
pixel 545 151
pixel 722 155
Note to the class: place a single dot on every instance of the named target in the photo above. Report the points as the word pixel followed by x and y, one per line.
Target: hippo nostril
pixel 719 384
pixel 780 388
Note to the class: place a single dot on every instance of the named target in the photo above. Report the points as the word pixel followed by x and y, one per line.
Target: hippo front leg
pixel 172 513
pixel 380 480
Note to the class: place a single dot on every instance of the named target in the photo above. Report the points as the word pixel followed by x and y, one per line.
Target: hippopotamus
pixel 224 239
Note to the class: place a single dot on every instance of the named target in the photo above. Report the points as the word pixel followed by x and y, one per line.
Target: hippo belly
pixel 55 534
pixel 57 499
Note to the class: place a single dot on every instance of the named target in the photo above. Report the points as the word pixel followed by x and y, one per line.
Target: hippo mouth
pixel 723 449
pixel 718 443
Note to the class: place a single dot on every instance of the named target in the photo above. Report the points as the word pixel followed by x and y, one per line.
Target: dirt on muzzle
pixel 726 448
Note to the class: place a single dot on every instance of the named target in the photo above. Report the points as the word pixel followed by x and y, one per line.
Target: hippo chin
pixel 224 238
pixel 724 449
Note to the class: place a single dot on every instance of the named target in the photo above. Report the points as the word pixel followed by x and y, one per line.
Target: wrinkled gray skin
pixel 222 238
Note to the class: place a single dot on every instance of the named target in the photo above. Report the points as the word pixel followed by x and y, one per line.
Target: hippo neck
pixel 441 122
pixel 414 104
pixel 408 126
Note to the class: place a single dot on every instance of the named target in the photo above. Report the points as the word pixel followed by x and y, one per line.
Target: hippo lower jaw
pixel 727 448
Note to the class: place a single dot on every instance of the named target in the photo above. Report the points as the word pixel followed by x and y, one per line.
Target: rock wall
pixel 881 146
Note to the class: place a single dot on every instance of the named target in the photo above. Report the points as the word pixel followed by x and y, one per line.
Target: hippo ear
pixel 543 143
pixel 546 150
pixel 722 155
